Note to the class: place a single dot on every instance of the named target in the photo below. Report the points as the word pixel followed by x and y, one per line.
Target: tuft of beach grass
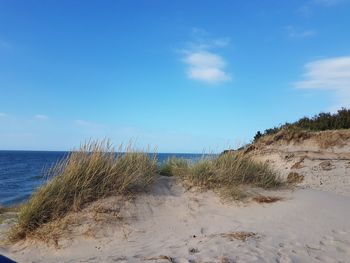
pixel 94 171
pixel 227 174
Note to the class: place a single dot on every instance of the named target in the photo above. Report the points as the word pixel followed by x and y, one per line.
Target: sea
pixel 21 172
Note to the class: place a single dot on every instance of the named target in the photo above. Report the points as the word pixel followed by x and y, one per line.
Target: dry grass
pixel 173 166
pixel 291 135
pixel 299 164
pixel 94 171
pixel 225 174
pixel 51 232
pixel 242 235
pixel 329 139
pixel 324 139
pixel 294 178
pixel 232 193
pixel 266 199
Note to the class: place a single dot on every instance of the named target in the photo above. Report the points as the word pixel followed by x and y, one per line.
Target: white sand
pixel 308 226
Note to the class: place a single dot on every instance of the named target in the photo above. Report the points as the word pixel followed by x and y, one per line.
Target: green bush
pixel 319 122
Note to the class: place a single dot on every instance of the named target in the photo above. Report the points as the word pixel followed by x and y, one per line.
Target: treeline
pixel 319 122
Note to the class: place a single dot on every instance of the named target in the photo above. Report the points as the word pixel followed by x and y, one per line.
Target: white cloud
pixel 206 66
pixel 202 60
pixel 205 59
pixel 294 33
pixel 331 74
pixel 41 117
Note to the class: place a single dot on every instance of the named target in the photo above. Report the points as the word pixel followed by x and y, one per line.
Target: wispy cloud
pixel 41 117
pixel 327 3
pixel 202 59
pixel 331 74
pixel 307 8
pixel 292 32
pixel 3 115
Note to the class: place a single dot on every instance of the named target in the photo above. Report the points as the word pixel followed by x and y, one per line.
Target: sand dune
pixel 173 225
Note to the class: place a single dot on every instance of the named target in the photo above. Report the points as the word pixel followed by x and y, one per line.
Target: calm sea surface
pixel 21 172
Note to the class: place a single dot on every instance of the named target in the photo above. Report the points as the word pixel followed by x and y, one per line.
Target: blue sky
pixel 182 76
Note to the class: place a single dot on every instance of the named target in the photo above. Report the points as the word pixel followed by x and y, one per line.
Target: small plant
pixel 240 235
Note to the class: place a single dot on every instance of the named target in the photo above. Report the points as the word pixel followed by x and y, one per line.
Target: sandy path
pixel 308 226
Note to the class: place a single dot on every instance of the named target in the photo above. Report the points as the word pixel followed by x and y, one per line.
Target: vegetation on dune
pixel 173 166
pixel 320 122
pixel 226 174
pixel 94 171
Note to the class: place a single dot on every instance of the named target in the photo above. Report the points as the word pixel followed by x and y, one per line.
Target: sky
pixel 175 76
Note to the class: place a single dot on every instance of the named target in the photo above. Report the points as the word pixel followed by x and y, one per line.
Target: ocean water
pixel 21 172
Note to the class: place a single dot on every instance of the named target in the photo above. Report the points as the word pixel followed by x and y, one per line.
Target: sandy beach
pixel 308 221
pixel 174 225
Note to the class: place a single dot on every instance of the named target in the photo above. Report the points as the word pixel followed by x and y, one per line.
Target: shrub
pixel 257 136
pixel 319 122
pixel 94 171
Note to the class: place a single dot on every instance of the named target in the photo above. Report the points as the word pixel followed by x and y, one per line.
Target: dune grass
pixel 94 171
pixel 226 174
pixel 173 166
